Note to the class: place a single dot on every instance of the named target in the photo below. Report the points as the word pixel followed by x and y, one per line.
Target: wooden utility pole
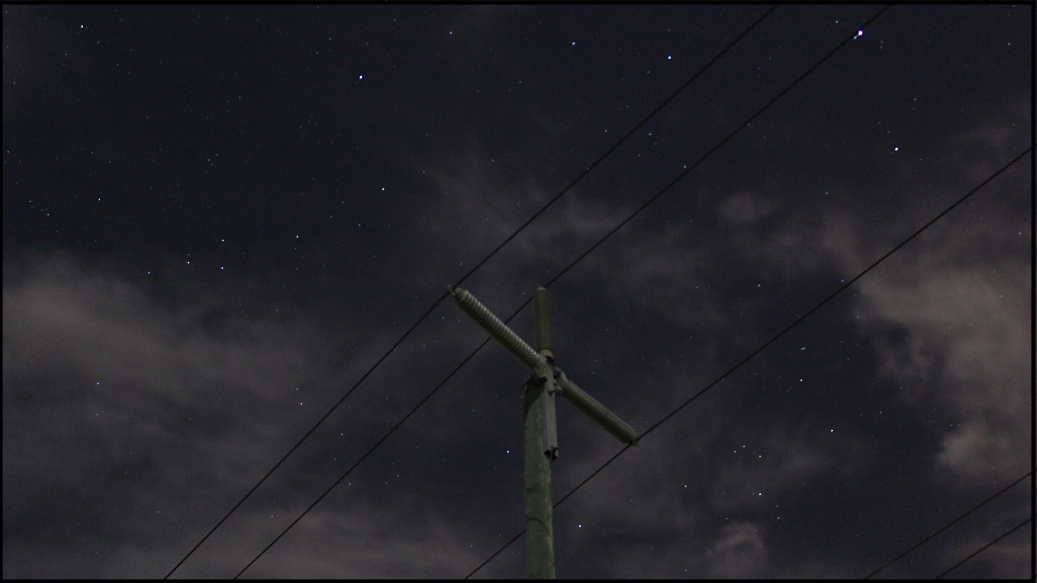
pixel 541 437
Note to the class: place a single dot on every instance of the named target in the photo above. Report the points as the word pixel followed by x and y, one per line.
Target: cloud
pixel 123 414
pixel 745 207
pixel 964 349
pixel 949 318
pixel 389 541
pixel 738 552
pixel 129 417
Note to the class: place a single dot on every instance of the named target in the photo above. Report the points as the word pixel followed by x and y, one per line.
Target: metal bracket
pixel 546 410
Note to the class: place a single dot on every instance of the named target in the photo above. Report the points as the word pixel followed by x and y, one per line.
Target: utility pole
pixel 541 436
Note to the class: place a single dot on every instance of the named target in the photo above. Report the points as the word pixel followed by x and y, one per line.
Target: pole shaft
pixel 540 553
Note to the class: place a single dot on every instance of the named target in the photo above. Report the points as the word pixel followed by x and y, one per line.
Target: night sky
pixel 217 219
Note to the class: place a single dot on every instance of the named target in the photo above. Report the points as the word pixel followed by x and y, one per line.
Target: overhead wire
pixel 766 344
pixel 303 438
pixel 444 295
pixel 948 525
pixel 361 459
pixel 984 547
pixel 620 142
pixel 687 170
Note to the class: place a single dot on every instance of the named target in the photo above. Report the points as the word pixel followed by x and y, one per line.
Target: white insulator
pixel 498 330
pixel 596 411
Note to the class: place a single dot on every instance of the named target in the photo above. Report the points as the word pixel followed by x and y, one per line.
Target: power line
pixel 431 308
pixel 788 328
pixel 623 139
pixel 589 250
pixel 716 147
pixel 362 458
pixel 985 547
pixel 946 526
pixel 308 433
pixel 842 288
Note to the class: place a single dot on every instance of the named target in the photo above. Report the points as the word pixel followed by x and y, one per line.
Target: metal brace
pixel 546 405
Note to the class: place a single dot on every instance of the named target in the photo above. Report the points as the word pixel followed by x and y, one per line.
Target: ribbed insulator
pixel 498 330
pixel 596 411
